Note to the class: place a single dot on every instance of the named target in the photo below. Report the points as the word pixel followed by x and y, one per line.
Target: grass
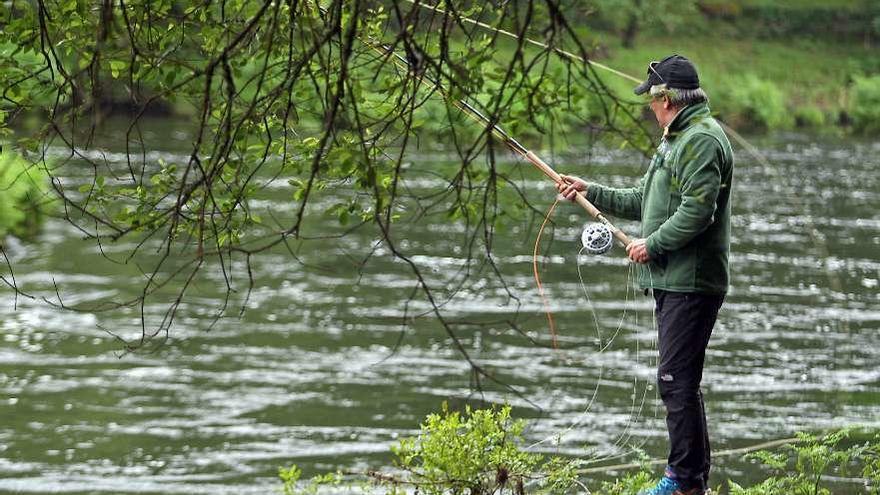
pixel 816 78
pixel 811 73
pixel 804 67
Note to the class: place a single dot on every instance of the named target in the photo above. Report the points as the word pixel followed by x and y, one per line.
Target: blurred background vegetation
pixel 766 64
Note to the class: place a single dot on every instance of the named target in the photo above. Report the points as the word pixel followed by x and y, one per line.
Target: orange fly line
pixel 544 301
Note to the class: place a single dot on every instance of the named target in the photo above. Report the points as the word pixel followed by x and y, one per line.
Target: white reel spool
pixel 597 238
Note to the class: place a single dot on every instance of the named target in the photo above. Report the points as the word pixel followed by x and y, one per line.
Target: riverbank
pixel 766 66
pixel 772 85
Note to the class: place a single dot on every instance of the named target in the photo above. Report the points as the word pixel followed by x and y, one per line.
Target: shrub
pixel 755 102
pixel 800 468
pixel 479 453
pixel 864 104
pixel 809 116
pixel 628 484
pixel 478 449
pixel 870 455
pixel 23 195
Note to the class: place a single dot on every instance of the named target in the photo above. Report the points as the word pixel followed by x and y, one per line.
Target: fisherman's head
pixel 672 84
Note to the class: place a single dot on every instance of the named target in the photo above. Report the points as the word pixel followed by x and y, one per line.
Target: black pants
pixel 685 322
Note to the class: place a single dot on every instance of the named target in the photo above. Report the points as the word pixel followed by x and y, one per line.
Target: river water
pixel 320 372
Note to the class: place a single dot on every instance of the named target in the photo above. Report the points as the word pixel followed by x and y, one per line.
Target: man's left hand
pixel 637 251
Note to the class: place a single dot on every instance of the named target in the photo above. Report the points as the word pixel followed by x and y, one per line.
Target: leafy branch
pixel 289 93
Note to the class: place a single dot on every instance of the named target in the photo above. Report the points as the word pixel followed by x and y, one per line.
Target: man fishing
pixel 683 202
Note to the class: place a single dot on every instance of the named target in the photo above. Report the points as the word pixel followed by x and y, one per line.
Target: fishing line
pixel 626 295
pixel 558 51
pixel 587 246
pixel 637 405
pixel 595 240
pixel 721 453
pixel 565 54
pixel 537 274
pixel 579 419
pixel 625 435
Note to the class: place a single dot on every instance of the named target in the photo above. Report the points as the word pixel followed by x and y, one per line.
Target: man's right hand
pixel 570 186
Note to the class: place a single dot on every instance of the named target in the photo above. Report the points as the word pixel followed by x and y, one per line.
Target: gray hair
pixel 680 98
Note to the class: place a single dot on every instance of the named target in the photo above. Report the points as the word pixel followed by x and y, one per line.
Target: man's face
pixel 656 105
pixel 662 110
pixel 653 104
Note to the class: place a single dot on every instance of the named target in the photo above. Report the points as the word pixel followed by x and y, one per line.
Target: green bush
pixel 479 453
pixel 870 456
pixel 479 449
pixel 801 468
pixel 23 195
pixel 809 116
pixel 754 102
pixel 629 484
pixel 864 104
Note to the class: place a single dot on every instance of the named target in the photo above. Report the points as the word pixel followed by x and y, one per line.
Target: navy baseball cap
pixel 674 71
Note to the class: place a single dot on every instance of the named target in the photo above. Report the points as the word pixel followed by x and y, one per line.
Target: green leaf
pixel 116 67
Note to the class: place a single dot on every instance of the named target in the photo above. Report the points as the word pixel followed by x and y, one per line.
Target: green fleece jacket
pixel 683 202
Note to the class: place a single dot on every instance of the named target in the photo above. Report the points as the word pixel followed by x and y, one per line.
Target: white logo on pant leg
pixel 666 378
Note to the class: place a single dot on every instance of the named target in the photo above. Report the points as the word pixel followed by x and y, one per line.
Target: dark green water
pixel 319 371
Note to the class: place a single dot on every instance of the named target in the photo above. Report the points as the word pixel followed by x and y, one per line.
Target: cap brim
pixel 642 88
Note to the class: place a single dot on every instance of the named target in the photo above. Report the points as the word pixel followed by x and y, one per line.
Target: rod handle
pixel 543 167
pixel 580 199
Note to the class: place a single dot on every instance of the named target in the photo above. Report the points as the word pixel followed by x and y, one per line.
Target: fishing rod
pixel 597 238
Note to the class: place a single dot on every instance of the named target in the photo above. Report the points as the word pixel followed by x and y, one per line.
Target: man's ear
pixel 667 105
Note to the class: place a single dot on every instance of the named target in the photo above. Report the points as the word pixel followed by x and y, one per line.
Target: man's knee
pixel 681 391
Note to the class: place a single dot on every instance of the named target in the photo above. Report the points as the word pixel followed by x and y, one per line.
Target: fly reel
pixel 597 238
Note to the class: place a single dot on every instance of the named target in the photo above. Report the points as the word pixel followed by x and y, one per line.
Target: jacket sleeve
pixel 619 202
pixel 699 183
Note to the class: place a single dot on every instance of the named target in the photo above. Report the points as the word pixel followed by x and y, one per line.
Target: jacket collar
pixel 685 117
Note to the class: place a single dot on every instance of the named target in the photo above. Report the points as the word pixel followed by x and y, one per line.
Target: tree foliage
pixel 24 198
pixel 303 93
pixel 629 17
